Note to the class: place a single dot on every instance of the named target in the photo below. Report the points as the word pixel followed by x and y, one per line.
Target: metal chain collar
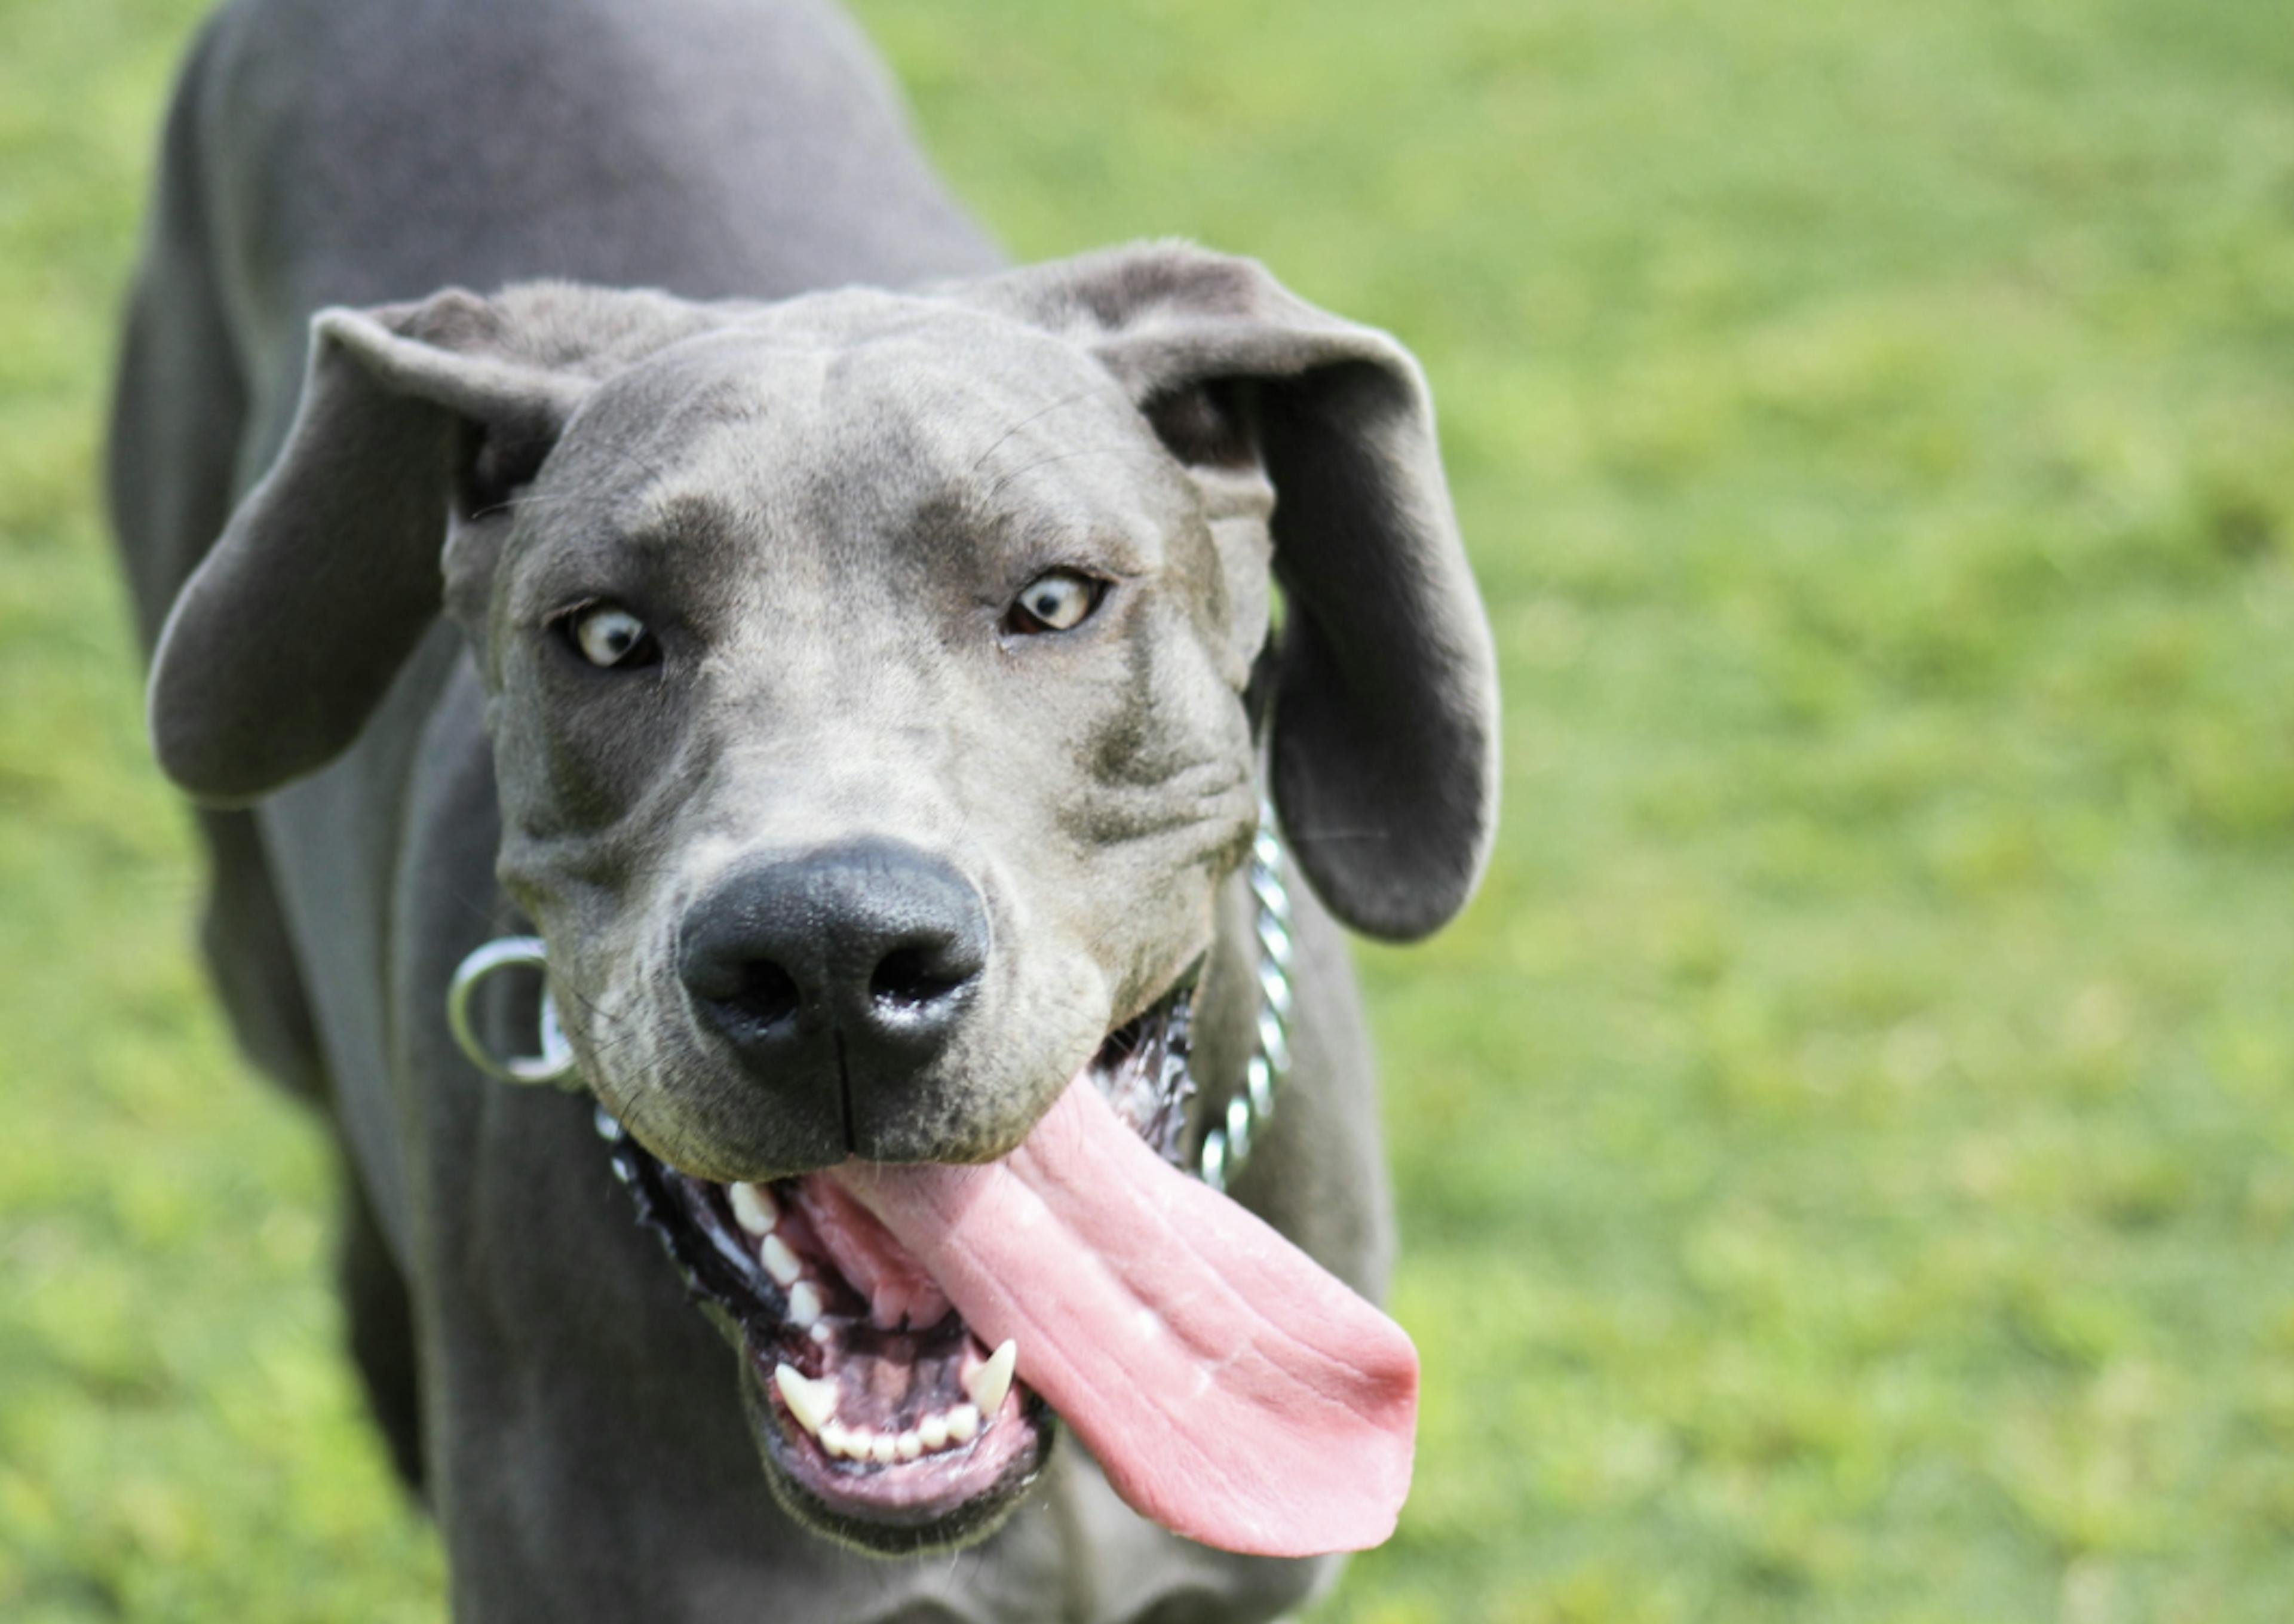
pixel 1226 1147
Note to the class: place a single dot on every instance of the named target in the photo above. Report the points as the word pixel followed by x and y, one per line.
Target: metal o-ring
pixel 555 1063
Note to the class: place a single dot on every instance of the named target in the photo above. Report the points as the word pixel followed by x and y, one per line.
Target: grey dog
pixel 858 660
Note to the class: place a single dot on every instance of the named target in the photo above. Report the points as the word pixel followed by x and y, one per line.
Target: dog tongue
pixel 1231 1389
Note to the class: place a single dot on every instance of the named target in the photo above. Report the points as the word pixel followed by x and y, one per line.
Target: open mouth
pixel 885 1420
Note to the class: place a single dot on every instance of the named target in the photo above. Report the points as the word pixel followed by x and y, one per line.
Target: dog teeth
pixel 989 1382
pixel 804 1305
pixel 779 1262
pixel 753 1208
pixel 813 1402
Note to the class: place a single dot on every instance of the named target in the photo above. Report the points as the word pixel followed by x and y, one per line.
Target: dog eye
pixel 610 636
pixel 1053 601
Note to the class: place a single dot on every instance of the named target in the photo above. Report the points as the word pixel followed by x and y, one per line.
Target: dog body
pixel 823 517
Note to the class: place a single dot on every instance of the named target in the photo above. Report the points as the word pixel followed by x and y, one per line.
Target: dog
pixel 857 664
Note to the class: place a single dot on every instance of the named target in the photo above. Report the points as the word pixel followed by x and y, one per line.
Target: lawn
pixel 1847 1154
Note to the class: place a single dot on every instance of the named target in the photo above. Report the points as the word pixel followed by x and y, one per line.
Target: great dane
pixel 858 667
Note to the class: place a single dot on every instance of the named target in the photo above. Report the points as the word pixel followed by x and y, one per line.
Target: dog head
pixel 877 682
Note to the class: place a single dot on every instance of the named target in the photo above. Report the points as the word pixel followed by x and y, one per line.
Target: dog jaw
pixel 881 1421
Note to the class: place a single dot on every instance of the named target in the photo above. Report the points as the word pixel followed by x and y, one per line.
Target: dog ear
pixel 1384 747
pixel 415 421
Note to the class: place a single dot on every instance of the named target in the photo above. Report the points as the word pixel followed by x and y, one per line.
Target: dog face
pixel 878 686
pixel 846 663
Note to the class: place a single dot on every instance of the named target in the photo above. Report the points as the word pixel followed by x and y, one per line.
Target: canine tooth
pixel 812 1403
pixel 989 1382
pixel 932 1430
pixel 836 1438
pixel 779 1262
pixel 963 1424
pixel 804 1304
pixel 753 1208
pixel 884 1449
pixel 909 1444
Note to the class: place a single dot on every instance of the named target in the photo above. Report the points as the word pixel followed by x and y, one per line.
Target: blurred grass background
pixel 1846 1155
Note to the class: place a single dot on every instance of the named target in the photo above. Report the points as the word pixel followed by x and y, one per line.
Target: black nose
pixel 860 957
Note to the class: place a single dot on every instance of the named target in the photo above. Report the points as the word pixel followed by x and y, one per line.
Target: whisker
pixel 1089 451
pixel 1065 400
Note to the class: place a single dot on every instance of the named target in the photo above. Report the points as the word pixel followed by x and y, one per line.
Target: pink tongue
pixel 1232 1390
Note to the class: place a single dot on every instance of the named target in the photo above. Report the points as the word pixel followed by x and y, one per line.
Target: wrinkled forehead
pixel 849 415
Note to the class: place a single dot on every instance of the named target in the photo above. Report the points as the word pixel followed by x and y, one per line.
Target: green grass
pixel 1847 1156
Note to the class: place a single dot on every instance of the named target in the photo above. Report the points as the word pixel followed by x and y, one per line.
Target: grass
pixel 1847 1156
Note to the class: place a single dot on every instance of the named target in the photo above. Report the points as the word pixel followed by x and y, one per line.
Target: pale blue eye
pixel 607 635
pixel 1058 600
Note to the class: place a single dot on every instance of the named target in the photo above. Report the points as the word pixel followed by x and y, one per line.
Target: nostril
pixel 763 993
pixel 913 976
pixel 870 947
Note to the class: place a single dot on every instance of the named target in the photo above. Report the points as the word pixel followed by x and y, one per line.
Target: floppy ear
pixel 1384 746
pixel 414 420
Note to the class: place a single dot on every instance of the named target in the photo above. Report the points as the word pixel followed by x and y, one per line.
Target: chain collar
pixel 1225 1147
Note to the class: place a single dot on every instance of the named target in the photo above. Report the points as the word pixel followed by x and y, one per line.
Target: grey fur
pixel 823 502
